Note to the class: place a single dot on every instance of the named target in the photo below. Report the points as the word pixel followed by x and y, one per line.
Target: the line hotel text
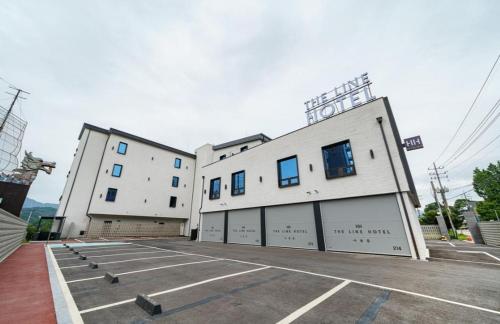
pixel 349 95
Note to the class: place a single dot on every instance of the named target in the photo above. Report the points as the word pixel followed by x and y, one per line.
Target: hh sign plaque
pixel 413 143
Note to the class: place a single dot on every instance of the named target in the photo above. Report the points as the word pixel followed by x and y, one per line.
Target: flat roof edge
pixel 134 138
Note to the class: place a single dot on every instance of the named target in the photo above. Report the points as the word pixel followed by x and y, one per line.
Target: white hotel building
pixel 340 184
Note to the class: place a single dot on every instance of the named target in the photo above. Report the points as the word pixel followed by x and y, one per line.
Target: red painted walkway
pixel 25 294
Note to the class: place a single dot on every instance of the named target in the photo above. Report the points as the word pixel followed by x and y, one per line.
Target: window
pixel 111 195
pixel 117 170
pixel 238 183
pixel 338 160
pixel 288 172
pixel 222 157
pixel 173 201
pixel 244 148
pixel 122 148
pixel 175 181
pixel 177 163
pixel 214 189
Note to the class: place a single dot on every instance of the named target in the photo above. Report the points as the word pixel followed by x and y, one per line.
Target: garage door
pixel 244 226
pixel 291 226
pixel 368 224
pixel 213 227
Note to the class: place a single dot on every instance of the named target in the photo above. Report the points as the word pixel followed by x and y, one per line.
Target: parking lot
pixel 216 283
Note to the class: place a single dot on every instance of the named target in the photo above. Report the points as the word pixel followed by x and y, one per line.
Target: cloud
pixel 187 73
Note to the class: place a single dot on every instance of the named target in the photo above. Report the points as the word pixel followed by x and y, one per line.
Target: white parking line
pixel 172 290
pixel 465 261
pixel 481 252
pixel 111 250
pixel 110 255
pixel 366 284
pixel 129 260
pixel 144 270
pixel 68 303
pixel 451 244
pixel 79 241
pixel 304 309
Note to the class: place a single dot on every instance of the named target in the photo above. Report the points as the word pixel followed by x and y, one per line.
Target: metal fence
pixel 431 232
pixel 490 232
pixel 12 233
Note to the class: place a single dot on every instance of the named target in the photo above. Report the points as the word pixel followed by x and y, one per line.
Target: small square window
pixel 244 148
pixel 173 201
pixel 117 170
pixel 175 181
pixel 222 157
pixel 238 183
pixel 177 163
pixel 111 195
pixel 122 148
pixel 338 160
pixel 214 189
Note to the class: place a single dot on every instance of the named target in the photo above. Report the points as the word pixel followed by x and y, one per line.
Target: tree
pixel 431 211
pixel 486 184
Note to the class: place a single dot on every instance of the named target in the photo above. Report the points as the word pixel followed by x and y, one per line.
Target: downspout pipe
pixel 398 186
pixel 201 206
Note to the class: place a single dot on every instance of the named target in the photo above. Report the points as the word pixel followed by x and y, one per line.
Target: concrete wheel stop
pixel 148 305
pixel 93 265
pixel 83 257
pixel 112 278
pixel 75 252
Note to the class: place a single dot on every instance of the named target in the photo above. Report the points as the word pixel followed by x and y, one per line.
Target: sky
pixel 187 73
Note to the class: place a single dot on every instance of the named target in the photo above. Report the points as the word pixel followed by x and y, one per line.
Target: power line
pixel 470 109
pixel 461 194
pixel 475 131
pixel 475 154
pixel 476 138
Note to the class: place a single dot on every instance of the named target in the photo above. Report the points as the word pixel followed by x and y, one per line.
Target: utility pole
pixel 16 96
pixel 436 199
pixel 443 196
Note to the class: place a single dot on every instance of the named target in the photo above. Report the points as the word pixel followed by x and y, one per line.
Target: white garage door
pixel 244 226
pixel 213 227
pixel 368 224
pixel 291 226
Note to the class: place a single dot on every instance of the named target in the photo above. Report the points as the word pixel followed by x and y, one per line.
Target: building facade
pixel 341 184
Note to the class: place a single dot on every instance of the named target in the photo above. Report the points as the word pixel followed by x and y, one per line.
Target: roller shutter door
pixel 244 226
pixel 213 227
pixel 291 226
pixel 367 224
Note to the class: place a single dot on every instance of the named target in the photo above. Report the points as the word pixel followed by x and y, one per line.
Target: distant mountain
pixel 32 203
pixel 36 213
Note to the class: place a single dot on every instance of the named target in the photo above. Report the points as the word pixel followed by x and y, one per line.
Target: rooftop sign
pixel 349 95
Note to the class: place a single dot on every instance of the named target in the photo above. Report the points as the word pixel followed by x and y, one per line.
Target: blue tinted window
pixel 238 183
pixel 122 148
pixel 288 172
pixel 175 181
pixel 117 170
pixel 177 163
pixel 111 195
pixel 214 189
pixel 338 160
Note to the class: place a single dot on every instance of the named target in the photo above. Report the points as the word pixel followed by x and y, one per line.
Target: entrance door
pixel 367 224
pixel 291 226
pixel 213 227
